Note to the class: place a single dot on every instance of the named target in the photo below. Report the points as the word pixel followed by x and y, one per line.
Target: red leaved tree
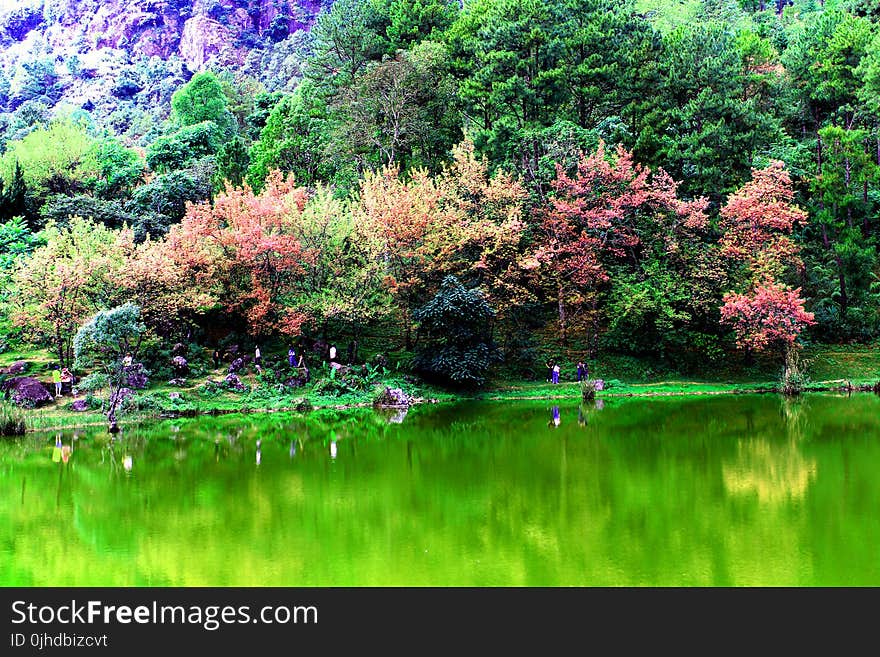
pixel 757 221
pixel 615 214
pixel 462 222
pixel 241 250
pixel 769 318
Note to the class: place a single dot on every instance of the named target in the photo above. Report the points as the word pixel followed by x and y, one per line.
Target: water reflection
pixel 555 420
pixel 61 452
pixel 794 416
pixel 773 472
pixel 682 500
pixel 772 468
pixel 392 415
pixel 56 451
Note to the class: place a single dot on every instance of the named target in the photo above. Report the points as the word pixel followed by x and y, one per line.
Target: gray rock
pixel 232 381
pixel 180 365
pixel 393 398
pixel 26 391
pixel 18 367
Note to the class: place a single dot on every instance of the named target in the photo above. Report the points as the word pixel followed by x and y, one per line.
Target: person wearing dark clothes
pixel 580 371
pixel 216 358
pixel 549 366
pixel 291 357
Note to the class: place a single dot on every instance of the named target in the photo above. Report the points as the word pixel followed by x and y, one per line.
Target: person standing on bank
pixel 66 379
pixel 56 379
pixel 258 357
pixel 291 357
pixel 556 373
pixel 580 371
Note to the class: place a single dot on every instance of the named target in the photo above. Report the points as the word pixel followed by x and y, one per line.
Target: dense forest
pixel 687 180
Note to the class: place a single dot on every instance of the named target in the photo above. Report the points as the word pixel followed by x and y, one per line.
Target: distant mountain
pixel 118 59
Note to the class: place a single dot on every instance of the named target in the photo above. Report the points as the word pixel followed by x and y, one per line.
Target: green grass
pixel 829 366
pixel 13 420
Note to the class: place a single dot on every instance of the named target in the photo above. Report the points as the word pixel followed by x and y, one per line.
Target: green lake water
pixel 730 490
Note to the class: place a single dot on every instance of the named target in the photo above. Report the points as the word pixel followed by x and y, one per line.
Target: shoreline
pixel 651 390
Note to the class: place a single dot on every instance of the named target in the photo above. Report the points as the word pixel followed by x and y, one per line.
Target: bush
pixel 333 385
pixel 588 389
pixel 89 403
pixel 212 389
pixel 458 348
pixel 93 382
pixel 794 376
pixel 12 420
pixel 348 380
pixel 136 376
pixel 148 402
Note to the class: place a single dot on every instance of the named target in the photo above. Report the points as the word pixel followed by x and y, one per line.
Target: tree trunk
pixel 563 329
pixel 407 331
pixel 60 342
pixel 844 300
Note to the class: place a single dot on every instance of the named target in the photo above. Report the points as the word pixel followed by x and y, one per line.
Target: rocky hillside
pixel 112 56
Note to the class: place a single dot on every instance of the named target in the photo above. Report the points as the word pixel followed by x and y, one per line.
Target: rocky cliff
pixel 201 32
pixel 120 60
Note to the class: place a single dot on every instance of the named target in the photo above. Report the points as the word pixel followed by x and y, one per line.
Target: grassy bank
pixel 830 368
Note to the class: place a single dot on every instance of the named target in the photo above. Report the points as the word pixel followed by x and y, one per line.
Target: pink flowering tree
pixel 768 318
pixel 757 222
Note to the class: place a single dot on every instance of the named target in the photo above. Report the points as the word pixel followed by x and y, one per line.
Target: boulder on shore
pixel 180 365
pixel 393 398
pixel 79 405
pixel 18 367
pixel 233 382
pixel 26 391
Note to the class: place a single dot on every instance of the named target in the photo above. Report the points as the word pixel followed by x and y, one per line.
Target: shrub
pixel 12 420
pixel 136 376
pixel 457 324
pixel 211 389
pixel 588 389
pixel 88 403
pixel 93 382
pixel 794 373
pixel 148 402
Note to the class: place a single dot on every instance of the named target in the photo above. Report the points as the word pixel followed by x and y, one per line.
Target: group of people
pixel 294 360
pixel 60 376
pixel 553 371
